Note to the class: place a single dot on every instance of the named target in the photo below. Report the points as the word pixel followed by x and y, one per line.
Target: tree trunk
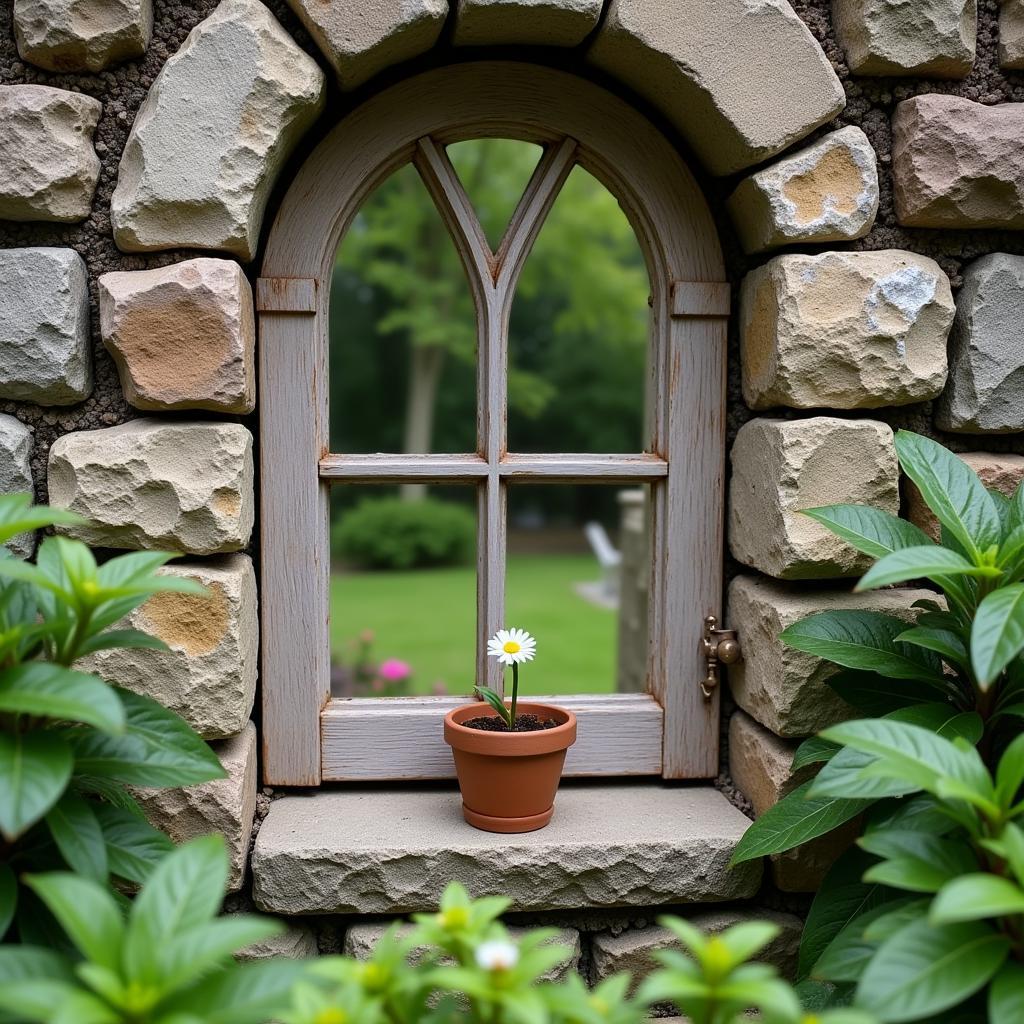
pixel 424 381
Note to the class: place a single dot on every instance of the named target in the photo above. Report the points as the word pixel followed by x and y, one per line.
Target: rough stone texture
pixel 226 805
pixel 986 381
pixel 705 67
pixel 525 22
pixel 199 173
pixel 44 326
pixel 48 166
pixel 783 689
pixel 782 466
pixel 760 763
pixel 159 484
pixel 361 39
pixel 183 336
pixel 827 192
pixel 296 943
pixel 82 35
pixel 805 868
pixel 391 852
pixel 846 330
pixel 16 473
pixel 1011 35
pixel 209 674
pixel 927 38
pixel 956 164
pixel 1000 472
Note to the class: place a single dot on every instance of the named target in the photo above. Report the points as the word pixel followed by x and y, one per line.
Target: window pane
pixel 403 591
pixel 402 330
pixel 577 580
pixel 579 332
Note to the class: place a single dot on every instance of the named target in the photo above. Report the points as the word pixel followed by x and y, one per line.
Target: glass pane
pixel 578 581
pixel 494 173
pixel 579 332
pixel 402 330
pixel 403 591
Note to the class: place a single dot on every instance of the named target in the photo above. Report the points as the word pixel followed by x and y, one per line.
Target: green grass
pixel 428 618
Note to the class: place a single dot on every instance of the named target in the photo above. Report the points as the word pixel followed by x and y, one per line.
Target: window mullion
pixel 490 576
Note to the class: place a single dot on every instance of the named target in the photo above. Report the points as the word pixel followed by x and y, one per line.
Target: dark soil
pixel 524 723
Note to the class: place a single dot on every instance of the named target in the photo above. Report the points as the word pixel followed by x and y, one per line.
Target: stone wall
pixel 862 158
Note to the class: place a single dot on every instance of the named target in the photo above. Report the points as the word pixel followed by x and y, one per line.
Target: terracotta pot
pixel 509 779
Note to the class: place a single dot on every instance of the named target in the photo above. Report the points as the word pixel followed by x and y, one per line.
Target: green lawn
pixel 428 619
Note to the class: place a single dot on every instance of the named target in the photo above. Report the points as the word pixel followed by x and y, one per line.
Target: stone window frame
pixel 672 730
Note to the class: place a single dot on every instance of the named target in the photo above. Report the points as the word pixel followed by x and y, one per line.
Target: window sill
pixel 392 851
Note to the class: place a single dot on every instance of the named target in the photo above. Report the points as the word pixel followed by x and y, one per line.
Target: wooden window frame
pixel 670 731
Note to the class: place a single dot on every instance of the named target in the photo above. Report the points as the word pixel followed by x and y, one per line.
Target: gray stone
pixel 827 192
pixel 986 382
pixel 372 851
pixel 48 166
pixel 782 466
pixel 161 484
pixel 525 22
pixel 929 38
pixel 297 942
pixel 44 326
pixel 16 473
pixel 845 330
pixel 361 39
pixel 82 35
pixel 215 129
pixel 208 675
pixel 225 806
pixel 1011 35
pixel 741 80
pixel 786 690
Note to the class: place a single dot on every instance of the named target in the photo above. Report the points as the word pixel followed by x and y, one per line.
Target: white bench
pixel 607 556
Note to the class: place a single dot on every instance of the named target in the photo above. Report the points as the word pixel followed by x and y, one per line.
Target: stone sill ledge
pixel 392 851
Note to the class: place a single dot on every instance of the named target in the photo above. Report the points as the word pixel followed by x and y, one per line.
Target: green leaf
pixel 36 768
pixel 485 693
pixel 931 562
pixel 876 695
pixel 191 953
pixel 121 639
pixel 997 636
pixel 76 831
pixel 926 969
pixel 868 529
pixel 813 750
pixel 1006 996
pixel 916 861
pixel 8 897
pixel 134 847
pixel 1010 773
pixel 848 954
pixel 18 516
pixel 922 813
pixel 793 821
pixel 52 691
pixel 943 642
pixel 952 491
pixel 977 897
pixel 250 994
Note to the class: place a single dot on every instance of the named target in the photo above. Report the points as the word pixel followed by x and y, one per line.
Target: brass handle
pixel 719 647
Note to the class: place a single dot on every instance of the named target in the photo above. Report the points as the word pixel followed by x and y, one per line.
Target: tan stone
pixel 783 689
pixel 48 166
pixel 297 942
pixel 804 868
pixel 183 336
pixel 82 35
pixel 827 192
pixel 741 80
pixel 845 330
pixel 998 471
pixel 225 806
pixel 929 38
pixel 173 485
pixel 956 163
pixel 208 675
pixel 361 39
pixel 525 22
pixel 760 763
pixel 1011 35
pixel 782 466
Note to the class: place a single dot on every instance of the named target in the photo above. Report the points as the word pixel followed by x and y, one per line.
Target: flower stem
pixel 515 695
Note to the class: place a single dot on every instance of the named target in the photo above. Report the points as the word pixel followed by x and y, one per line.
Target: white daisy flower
pixel 497 955
pixel 512 646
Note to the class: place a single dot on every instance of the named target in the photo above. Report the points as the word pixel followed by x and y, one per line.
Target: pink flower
pixel 394 671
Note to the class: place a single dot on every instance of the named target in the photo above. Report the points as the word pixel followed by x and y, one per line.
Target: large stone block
pixel 986 381
pixel 1011 35
pixel 208 674
pixel 297 942
pixel 82 35
pixel 48 166
pixel 525 22
pixel 361 39
pixel 827 192
pixel 782 466
pixel 929 38
pixel 152 483
pixel 226 806
pixel 786 690
pixel 16 473
pixel 760 763
pixel 956 163
pixel 183 336
pixel 741 80
pixel 844 330
pixel 215 129
pixel 44 326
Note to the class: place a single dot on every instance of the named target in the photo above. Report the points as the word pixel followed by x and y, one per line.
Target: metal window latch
pixel 719 647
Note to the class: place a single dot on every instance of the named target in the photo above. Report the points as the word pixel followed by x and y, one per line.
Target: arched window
pixel 670 729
